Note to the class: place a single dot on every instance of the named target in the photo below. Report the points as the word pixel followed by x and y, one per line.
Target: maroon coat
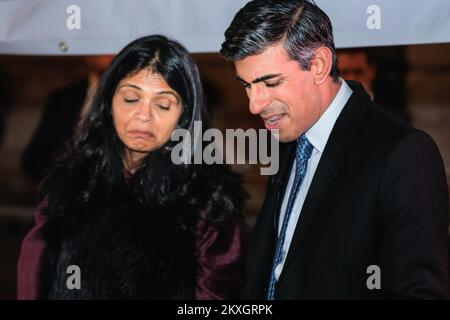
pixel 218 254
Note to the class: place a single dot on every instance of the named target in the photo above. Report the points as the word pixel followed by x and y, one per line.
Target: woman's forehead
pixel 146 76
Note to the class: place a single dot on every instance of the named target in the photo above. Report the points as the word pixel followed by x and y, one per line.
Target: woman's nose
pixel 143 112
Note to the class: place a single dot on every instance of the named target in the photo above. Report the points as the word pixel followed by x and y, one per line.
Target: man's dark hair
pixel 366 51
pixel 300 24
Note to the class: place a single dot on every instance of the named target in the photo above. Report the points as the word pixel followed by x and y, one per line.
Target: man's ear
pixel 321 65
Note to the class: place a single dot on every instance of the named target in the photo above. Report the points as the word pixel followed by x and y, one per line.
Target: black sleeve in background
pixel 5 101
pixel 56 126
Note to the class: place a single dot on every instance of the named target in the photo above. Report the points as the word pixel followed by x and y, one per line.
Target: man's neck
pixel 329 90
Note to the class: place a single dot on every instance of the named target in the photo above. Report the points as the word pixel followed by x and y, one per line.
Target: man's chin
pixel 283 138
pixel 286 138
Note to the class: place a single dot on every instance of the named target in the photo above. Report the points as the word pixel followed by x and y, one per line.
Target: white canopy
pixel 56 27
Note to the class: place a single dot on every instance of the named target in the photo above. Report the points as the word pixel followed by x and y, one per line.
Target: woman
pixel 116 207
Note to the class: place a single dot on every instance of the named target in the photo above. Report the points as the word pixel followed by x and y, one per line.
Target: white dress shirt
pixel 318 136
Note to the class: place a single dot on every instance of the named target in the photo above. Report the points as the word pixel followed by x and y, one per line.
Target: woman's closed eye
pixel 164 103
pixel 130 100
pixel 164 107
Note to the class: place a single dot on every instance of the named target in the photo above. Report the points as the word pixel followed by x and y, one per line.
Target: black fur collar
pixel 134 238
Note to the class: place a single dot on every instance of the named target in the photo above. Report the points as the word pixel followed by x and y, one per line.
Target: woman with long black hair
pixel 117 210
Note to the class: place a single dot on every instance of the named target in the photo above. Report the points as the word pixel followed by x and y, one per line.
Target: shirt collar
pixel 318 134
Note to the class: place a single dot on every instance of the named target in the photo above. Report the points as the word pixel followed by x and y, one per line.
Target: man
pixel 359 64
pixel 358 209
pixel 62 111
pixel 5 101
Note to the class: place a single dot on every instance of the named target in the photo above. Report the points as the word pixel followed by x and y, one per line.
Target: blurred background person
pixel 359 64
pixel 61 114
pixel 5 101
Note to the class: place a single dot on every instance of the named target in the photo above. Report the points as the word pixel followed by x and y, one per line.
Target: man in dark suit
pixel 359 64
pixel 62 112
pixel 358 208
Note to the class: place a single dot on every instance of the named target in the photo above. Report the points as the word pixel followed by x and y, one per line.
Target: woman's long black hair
pixel 91 167
pixel 133 236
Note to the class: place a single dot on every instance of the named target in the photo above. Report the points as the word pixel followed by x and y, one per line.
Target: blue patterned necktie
pixel 303 153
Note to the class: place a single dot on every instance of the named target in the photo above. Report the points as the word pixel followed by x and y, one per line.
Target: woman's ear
pixel 321 65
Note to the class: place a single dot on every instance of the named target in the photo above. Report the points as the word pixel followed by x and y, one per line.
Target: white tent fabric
pixel 74 27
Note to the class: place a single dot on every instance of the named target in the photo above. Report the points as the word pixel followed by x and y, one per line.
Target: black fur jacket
pixel 133 236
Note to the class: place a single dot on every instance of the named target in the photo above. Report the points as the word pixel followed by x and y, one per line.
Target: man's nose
pixel 258 100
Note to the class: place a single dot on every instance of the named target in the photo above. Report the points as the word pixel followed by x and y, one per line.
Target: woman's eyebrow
pixel 130 85
pixel 159 92
pixel 171 93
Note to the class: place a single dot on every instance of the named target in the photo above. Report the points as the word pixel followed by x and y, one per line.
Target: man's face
pixel 282 94
pixel 354 66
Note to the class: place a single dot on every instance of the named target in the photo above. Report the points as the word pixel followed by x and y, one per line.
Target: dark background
pixel 414 77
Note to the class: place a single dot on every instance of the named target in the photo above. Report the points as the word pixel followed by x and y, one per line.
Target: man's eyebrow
pixel 262 78
pixel 266 77
pixel 241 80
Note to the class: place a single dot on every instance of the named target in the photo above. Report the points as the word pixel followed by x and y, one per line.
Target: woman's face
pixel 145 110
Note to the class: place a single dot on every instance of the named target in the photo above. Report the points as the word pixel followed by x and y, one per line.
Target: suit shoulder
pixel 385 133
pixel 385 123
pixel 382 127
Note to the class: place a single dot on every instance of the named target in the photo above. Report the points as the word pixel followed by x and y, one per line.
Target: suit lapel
pixel 264 239
pixel 287 153
pixel 339 141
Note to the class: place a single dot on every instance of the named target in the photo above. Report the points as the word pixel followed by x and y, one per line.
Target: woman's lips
pixel 140 134
pixel 273 122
